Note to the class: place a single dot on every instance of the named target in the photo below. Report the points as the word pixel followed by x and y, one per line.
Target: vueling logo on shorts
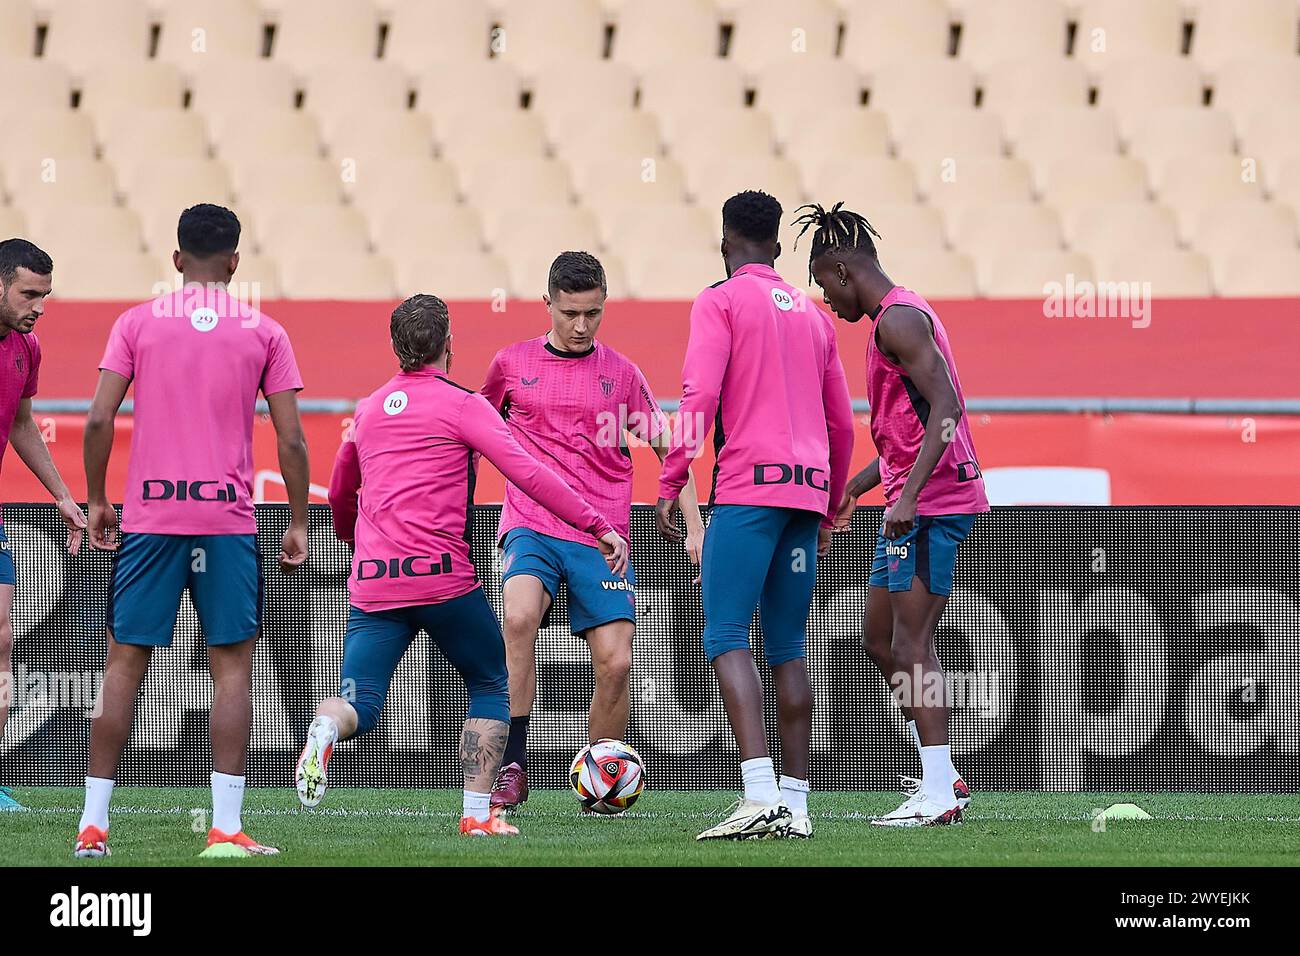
pixel 414 566
pixel 620 585
pixel 780 474
pixel 161 489
pixel 896 550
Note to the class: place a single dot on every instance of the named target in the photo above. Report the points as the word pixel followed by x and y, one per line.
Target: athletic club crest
pixel 607 386
pixel 18 362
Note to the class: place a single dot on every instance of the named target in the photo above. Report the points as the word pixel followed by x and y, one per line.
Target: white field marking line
pixel 399 812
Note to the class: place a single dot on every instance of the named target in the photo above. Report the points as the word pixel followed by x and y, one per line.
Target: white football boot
pixel 309 776
pixel 750 820
pixel 911 786
pixel 800 827
pixel 921 811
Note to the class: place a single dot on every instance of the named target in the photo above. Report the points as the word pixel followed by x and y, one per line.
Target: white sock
pixel 795 794
pixel 95 814
pixel 938 773
pixel 476 805
pixel 760 780
pixel 227 802
pixel 325 729
pixel 916 736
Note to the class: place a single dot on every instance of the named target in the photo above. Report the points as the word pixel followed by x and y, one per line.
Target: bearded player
pixel 403 492
pixel 25 281
pixel 932 483
pixel 571 401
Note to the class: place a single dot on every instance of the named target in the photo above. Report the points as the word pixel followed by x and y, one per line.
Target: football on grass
pixel 607 776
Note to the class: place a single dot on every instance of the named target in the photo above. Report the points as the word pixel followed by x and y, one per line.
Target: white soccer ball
pixel 607 776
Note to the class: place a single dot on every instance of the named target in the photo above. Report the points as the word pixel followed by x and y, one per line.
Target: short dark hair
pixel 208 230
pixel 836 228
pixel 419 330
pixel 18 254
pixel 576 272
pixel 753 214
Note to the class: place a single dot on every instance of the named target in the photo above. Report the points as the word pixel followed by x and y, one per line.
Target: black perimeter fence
pixel 1128 649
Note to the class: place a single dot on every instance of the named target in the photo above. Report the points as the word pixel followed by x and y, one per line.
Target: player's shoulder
pixel 517 350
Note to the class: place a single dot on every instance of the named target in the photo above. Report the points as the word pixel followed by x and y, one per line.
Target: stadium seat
pixel 665 272
pixel 36 84
pixel 977 179
pixel 454 276
pixel 532 35
pixel 1243 86
pixel 1188 184
pixel 426 230
pixel 878 33
pixel 861 181
pixel 172 131
pixel 56 134
pixel 223 94
pixel 995 30
pixel 1027 84
pixel 1261 272
pixel 787 91
pixel 326 228
pixel 83 34
pixel 257 279
pixel 259 133
pixel 693 137
pixel 172 184
pixel 922 83
pixel 617 182
pixel 61 182
pixel 349 277
pixel 338 89
pixel 1047 134
pixel 934 275
pixel 629 229
pixel 18 38
pixel 1135 86
pixel 443 89
pixel 13 222
pixel 1072 182
pixel 764 32
pixel 494 185
pixel 596 88
pixel 692 85
pixel 646 34
pixel 1024 273
pixel 263 184
pixel 474 136
pixel 1226 29
pixel 855 131
pixel 545 225
pixel 378 135
pixel 1225 228
pixel 621 135
pixel 901 225
pixel 462 30
pixel 1172 273
pixel 1272 135
pixel 113 88
pixel 929 138
pixel 1102 229
pixel 196 33
pixel 383 182
pixel 110 274
pixel 1284 182
pixel 994 228
pixel 714 182
pixel 78 230
pixel 325 32
pixel 529 271
pixel 1181 130
pixel 1110 29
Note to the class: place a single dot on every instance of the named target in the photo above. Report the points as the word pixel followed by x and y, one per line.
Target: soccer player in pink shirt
pixel 764 362
pixel 403 492
pixel 25 281
pixel 933 491
pixel 198 358
pixel 571 401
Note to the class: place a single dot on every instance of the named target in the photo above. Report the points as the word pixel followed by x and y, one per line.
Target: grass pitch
pixel 166 827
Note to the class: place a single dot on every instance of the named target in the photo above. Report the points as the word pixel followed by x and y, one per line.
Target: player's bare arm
pixel 689 503
pixel 26 439
pixel 905 336
pixel 291 446
pixel 96 448
pixel 857 486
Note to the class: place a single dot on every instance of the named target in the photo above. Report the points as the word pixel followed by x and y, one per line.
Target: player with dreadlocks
pixel 933 490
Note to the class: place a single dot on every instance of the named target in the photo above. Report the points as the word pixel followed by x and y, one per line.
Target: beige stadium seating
pixel 619 182
pixel 348 277
pixel 81 230
pixel 1226 29
pixel 196 34
pixel 462 30
pixel 511 232
pixel 1049 134
pixel 171 185
pixel 930 138
pixel 264 184
pixel 794 93
pixel 18 38
pixel 383 182
pixel 1109 29
pixel 1074 182
pixel 1104 228
pixel 533 35
pixel 85 33
pixel 113 88
pixel 694 137
pixel 1024 85
pixel 58 181
pixel 528 274
pixel 1226 228
pixel 1135 86
pixel 454 276
pixel 692 85
pixel 978 180
pixel 714 182
pixel 980 229
pixel 583 87
pixel 878 33
pixel 470 138
pixel 12 222
pixel 323 32
pixel 1024 273
pixel 133 134
pixel 1272 135
pixel 1182 130
pixel 327 228
pixel 646 34
pixel 1244 86
pixel 628 229
pixel 764 32
pixel 257 278
pixel 854 131
pixel 1172 273
pixel 265 83
pixel 922 83
pixel 660 272
pixel 484 87
pixel 378 135
pixel 934 275
pixel 426 230
pixel 860 181
pixel 622 134
pixel 994 30
pixel 160 223
pixel 500 184
pixel 1261 272
pixel 901 225
pixel 58 134
pixel 338 89
pixel 110 274
pixel 1285 183
pixel 36 84
pixel 262 134
pixel 1188 184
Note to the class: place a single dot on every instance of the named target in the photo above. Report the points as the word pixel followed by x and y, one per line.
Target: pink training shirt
pixel 898 417
pixel 403 488
pixel 20 366
pixel 198 358
pixel 762 360
pixel 570 411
